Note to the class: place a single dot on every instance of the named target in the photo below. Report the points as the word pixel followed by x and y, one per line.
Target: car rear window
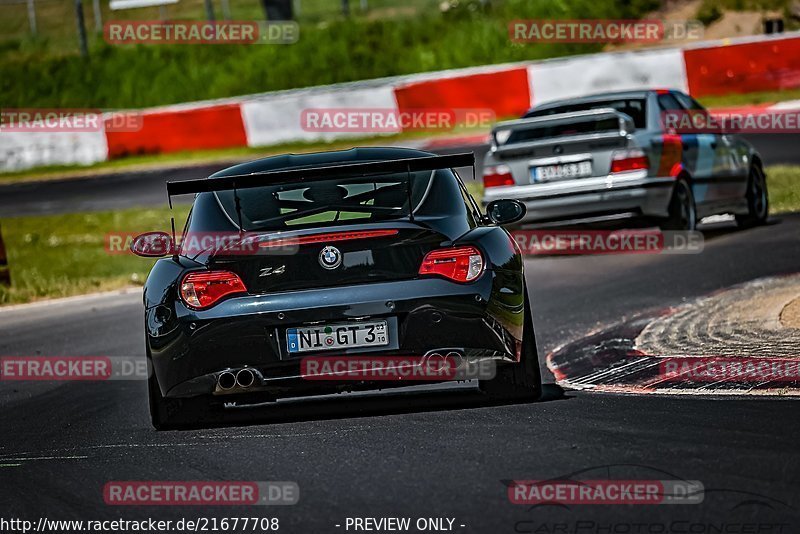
pixel 633 107
pixel 328 202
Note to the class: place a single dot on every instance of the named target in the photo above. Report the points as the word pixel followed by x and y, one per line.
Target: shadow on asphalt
pixel 714 230
pixel 372 404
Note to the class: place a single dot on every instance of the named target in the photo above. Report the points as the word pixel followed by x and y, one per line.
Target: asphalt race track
pixel 437 451
pixel 146 188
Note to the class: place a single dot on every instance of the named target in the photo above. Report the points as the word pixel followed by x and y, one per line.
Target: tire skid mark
pixel 621 359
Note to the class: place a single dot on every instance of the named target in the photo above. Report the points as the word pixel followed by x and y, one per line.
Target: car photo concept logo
pixel 330 257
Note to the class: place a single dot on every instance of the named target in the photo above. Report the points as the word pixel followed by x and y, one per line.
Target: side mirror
pixel 152 245
pixel 505 211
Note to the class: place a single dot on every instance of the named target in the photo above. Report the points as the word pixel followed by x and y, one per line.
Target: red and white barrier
pixel 26 150
pixel 176 130
pixel 740 66
pixel 619 71
pixel 276 119
pixel 505 92
pixel 765 64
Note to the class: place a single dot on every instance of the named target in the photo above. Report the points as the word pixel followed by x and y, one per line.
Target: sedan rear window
pixel 328 202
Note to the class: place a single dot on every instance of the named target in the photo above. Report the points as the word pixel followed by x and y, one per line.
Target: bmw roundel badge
pixel 330 257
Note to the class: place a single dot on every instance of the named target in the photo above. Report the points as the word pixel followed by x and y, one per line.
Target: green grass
pixel 712 10
pixel 765 97
pixel 63 255
pixel 338 50
pixel 783 183
pixel 57 28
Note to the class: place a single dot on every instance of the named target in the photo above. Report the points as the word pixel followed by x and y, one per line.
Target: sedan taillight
pixel 460 264
pixel 497 176
pixel 203 289
pixel 629 160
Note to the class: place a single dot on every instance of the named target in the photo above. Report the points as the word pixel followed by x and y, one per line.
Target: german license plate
pixel 337 336
pixel 579 169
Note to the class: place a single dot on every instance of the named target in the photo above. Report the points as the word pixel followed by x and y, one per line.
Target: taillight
pixel 629 160
pixel 202 289
pixel 461 264
pixel 497 176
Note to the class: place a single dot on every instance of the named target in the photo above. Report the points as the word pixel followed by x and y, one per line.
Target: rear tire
pixel 682 209
pixel 166 413
pixel 757 200
pixel 518 381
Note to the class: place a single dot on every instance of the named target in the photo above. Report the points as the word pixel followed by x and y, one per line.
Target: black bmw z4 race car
pixel 367 252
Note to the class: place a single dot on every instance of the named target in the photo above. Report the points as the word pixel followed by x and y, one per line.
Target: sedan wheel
pixel 682 210
pixel 757 199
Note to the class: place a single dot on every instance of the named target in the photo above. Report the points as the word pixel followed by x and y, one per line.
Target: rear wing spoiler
pixel 326 172
pixel 323 172
pixel 625 122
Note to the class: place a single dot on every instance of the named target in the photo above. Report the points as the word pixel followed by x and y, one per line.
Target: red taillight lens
pixel 461 264
pixel 629 160
pixel 205 288
pixel 497 176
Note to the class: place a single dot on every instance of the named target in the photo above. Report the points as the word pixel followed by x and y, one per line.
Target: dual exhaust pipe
pixel 243 378
pixel 454 356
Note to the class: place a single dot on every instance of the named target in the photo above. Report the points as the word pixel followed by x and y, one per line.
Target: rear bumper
pixel 632 192
pixel 425 315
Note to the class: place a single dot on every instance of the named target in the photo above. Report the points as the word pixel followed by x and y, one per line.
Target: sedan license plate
pixel 337 336
pixel 579 169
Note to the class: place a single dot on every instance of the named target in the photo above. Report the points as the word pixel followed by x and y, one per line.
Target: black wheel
pixel 757 199
pixel 682 210
pixel 166 413
pixel 519 381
